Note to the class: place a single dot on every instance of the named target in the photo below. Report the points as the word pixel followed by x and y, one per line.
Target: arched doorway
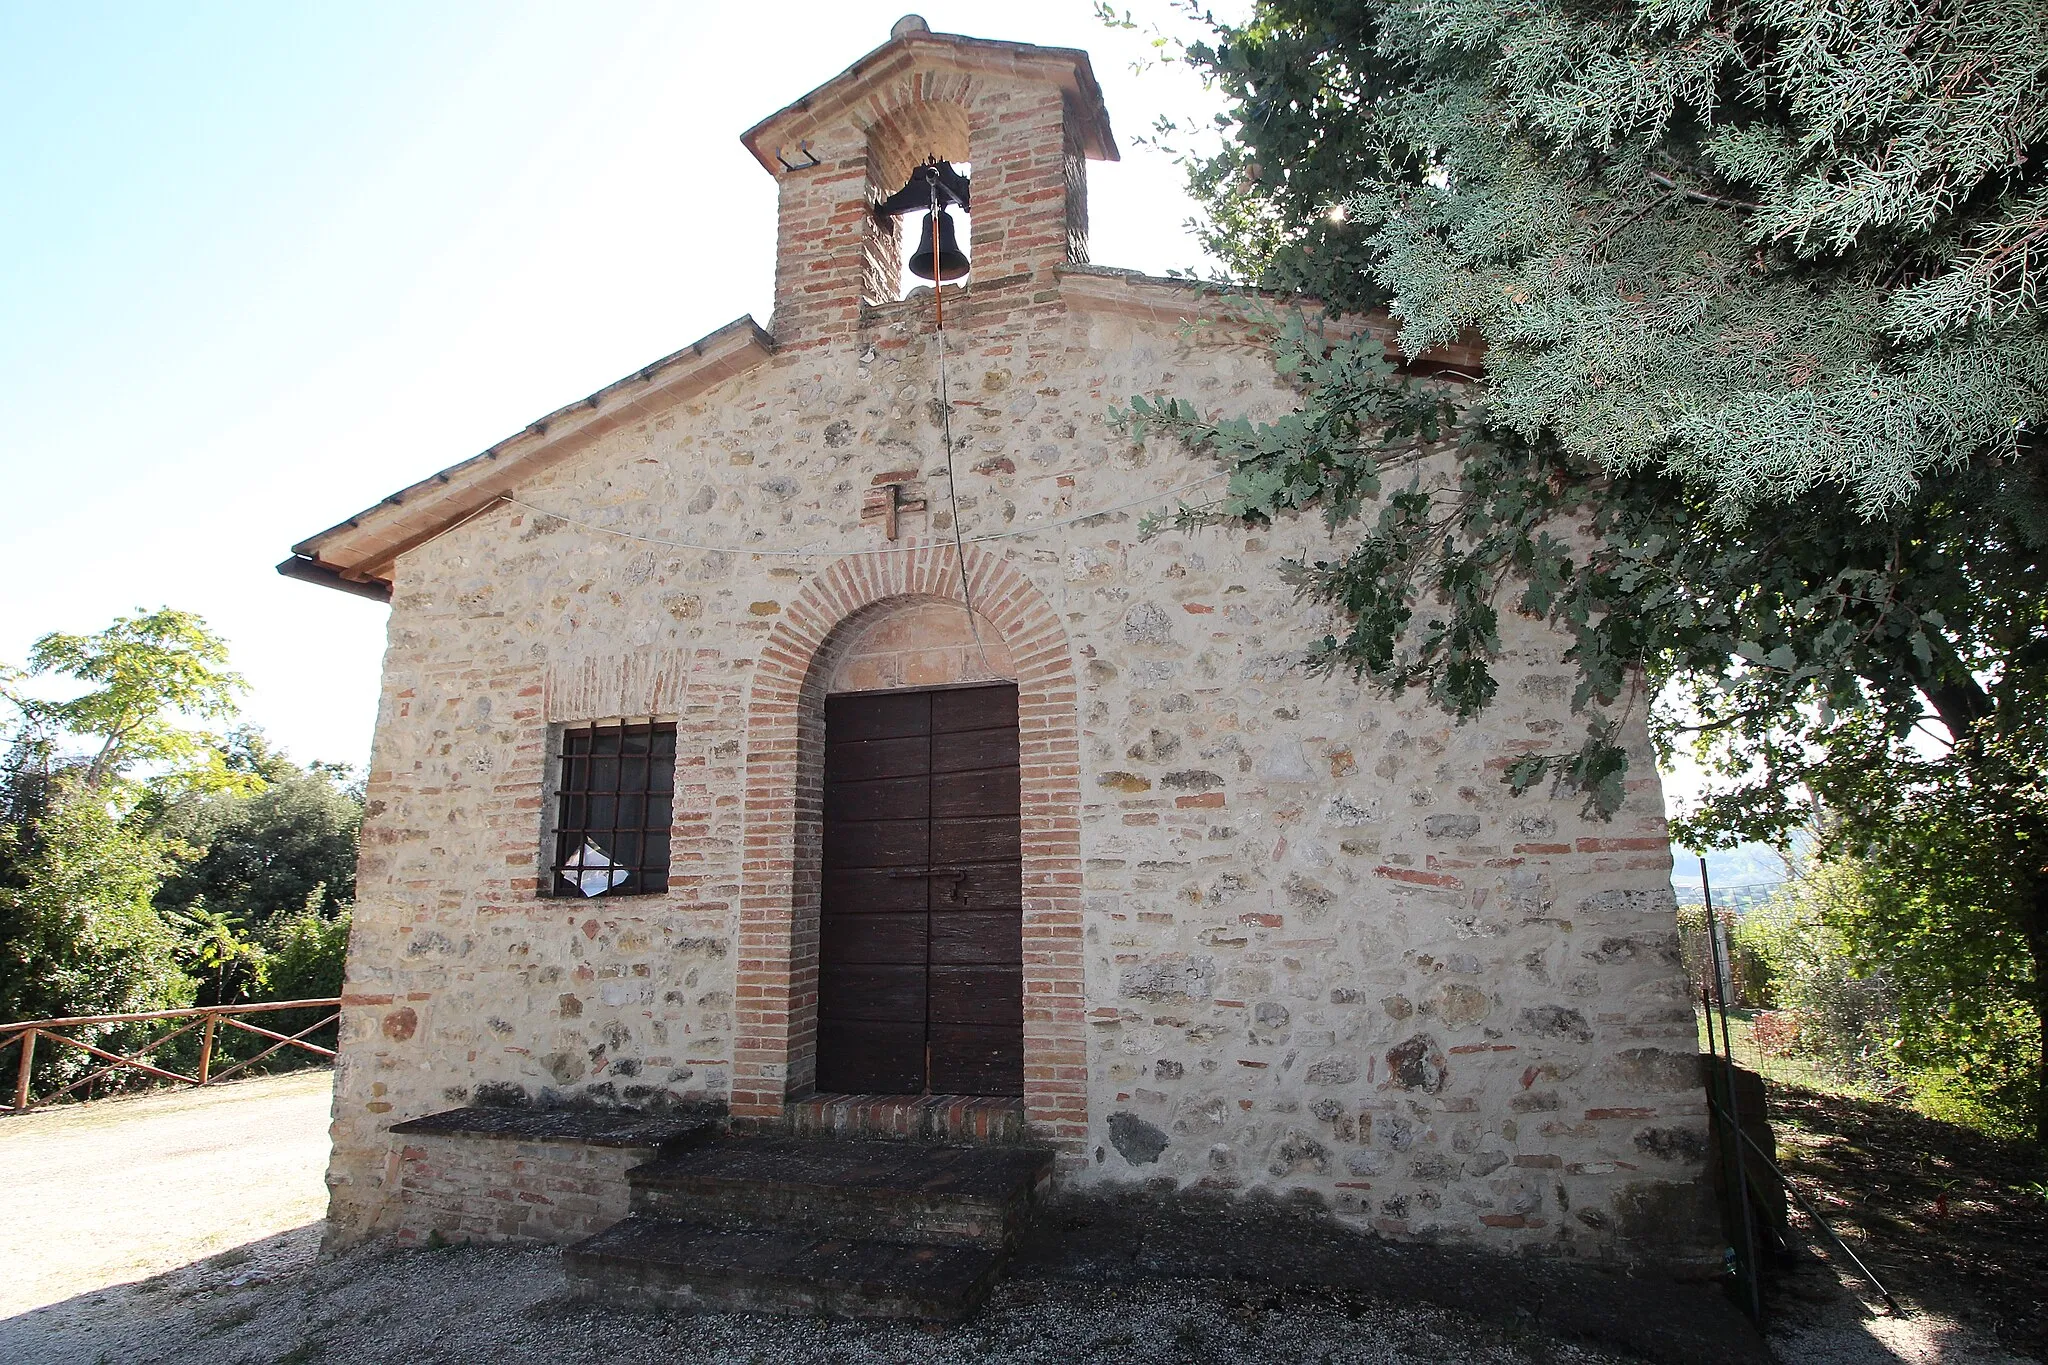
pixel 920 904
pixel 777 996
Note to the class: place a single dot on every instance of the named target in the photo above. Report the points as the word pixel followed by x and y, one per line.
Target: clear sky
pixel 262 264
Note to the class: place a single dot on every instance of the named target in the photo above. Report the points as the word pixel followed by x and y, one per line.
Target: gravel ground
pixel 279 1304
pixel 130 1187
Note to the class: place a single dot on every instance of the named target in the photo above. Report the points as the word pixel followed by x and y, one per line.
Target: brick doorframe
pixel 776 994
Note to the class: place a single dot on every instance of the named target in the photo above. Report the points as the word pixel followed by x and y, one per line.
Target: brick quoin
pixel 776 999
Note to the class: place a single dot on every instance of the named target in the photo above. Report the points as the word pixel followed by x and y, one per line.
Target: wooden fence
pixel 206 1018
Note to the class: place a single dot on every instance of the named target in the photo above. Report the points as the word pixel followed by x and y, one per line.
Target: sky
pixel 263 264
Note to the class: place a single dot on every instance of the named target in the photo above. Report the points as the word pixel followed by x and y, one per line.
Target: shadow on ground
pixel 1952 1220
pixel 171 1316
pixel 1126 1281
pixel 1138 1238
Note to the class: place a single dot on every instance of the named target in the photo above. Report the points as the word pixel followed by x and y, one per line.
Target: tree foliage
pixel 1758 289
pixel 1945 856
pixel 147 860
pixel 305 954
pixel 263 853
pixel 145 672
pixel 78 934
pixel 1771 246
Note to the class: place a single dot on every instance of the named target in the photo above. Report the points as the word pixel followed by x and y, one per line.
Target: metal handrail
pixel 207 1018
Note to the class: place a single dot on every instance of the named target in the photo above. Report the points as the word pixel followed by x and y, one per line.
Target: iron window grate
pixel 614 810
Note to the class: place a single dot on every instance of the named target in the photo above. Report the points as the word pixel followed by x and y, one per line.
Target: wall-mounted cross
pixel 885 503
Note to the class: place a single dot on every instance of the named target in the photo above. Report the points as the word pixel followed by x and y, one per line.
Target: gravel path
pixel 127 1188
pixel 491 1307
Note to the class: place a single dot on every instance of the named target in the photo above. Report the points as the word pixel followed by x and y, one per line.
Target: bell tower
pixel 1026 119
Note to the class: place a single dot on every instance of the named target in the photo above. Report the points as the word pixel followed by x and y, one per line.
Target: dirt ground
pixel 1954 1223
pixel 183 1228
pixel 127 1188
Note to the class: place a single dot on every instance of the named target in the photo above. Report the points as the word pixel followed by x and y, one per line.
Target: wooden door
pixel 920 984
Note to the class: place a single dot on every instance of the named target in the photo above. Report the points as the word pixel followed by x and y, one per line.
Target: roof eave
pixel 362 548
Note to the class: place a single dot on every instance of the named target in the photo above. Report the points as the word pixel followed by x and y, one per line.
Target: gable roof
pixel 918 48
pixel 357 555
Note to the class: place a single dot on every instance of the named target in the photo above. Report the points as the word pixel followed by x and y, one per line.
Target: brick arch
pixel 914 127
pixel 912 123
pixel 776 991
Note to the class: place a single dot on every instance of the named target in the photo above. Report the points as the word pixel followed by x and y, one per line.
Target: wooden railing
pixel 206 1018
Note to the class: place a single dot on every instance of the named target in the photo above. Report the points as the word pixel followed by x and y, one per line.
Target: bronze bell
pixel 946 261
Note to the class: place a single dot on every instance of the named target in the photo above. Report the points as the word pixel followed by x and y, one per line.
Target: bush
pixel 307 951
pixel 1879 1010
pixel 80 934
pixel 1848 1012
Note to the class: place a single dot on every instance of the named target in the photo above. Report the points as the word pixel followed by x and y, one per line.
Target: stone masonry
pixel 1282 932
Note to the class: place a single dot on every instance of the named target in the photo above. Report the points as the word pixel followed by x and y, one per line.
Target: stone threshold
pixel 995 1119
pixel 587 1127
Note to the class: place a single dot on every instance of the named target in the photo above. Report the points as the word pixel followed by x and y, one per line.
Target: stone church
pixel 796 744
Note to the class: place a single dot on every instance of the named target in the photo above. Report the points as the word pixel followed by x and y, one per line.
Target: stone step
pixel 849 1187
pixel 668 1262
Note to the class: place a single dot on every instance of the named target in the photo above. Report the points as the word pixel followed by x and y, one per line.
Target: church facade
pixel 801 729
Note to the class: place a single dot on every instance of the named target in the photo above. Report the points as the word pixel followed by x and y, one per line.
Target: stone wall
pixel 1308 941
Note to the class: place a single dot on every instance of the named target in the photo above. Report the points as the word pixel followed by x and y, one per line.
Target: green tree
pixel 1758 286
pixel 78 931
pixel 146 672
pixel 1802 940
pixel 306 954
pixel 264 851
pixel 1942 853
pixel 219 951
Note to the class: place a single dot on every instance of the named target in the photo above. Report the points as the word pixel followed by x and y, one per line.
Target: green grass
pixel 1784 1068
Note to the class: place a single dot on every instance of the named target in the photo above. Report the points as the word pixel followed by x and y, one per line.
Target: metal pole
pixel 1756 1303
pixel 1820 1221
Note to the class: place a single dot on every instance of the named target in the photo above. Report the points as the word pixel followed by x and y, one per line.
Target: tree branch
pixel 1701 196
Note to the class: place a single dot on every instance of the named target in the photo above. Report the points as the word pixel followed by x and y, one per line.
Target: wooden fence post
pixel 21 1075
pixel 206 1049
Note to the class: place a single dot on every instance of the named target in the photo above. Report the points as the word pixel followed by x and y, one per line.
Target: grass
pixel 1783 1068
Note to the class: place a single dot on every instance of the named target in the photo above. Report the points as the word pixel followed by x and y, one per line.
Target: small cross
pixel 886 502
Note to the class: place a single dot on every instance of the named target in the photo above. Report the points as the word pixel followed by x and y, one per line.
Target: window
pixel 613 810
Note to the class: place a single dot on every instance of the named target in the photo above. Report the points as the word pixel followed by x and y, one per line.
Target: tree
pixel 147 670
pixel 78 931
pixel 266 851
pixel 307 953
pixel 1758 285
pixel 1940 912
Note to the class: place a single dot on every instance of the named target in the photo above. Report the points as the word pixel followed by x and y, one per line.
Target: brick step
pixel 914 1192
pixel 925 1118
pixel 668 1262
